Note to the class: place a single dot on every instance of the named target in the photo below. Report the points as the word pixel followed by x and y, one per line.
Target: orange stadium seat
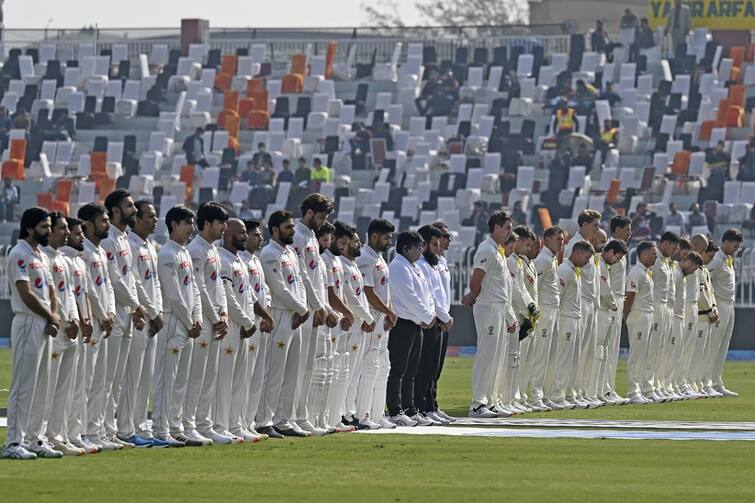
pixel 737 55
pixel 330 55
pixel 231 100
pixel 261 100
pixel 234 144
pixel 246 105
pixel 545 218
pixel 228 64
pixel 258 120
pixel 187 176
pixel 232 125
pixel 612 195
pixel 735 116
pixel 222 82
pixel 99 163
pixel 292 84
pixel 737 95
pixel 44 200
pixel 707 127
pixel 64 189
pixel 106 186
pixel 254 85
pixel 751 53
pixel 680 165
pixel 13 169
pixel 299 64
pixel 223 117
pixel 18 150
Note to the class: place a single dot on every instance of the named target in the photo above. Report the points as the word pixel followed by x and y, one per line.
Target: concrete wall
pixel 585 12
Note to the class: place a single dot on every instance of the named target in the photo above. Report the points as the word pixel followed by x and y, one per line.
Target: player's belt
pixel 701 313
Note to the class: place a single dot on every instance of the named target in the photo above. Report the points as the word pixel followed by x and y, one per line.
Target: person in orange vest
pixel 565 120
pixel 609 138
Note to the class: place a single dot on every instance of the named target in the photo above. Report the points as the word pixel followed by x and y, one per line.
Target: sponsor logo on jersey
pixel 21 264
pixel 312 264
pixel 110 255
pixel 256 287
pixel 338 283
pixel 57 268
pixel 39 283
pixel 35 265
pixel 77 290
pixel 290 279
pixel 186 279
pixel 148 274
pixel 124 269
pixel 214 275
pixel 61 286
pixel 98 280
pixel 237 272
pixel 241 288
pixel 358 290
pixel 382 280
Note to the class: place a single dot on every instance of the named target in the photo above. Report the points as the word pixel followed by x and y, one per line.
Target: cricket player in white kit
pixel 289 312
pixel 684 380
pixel 256 363
pixel 638 316
pixel 707 312
pixel 64 348
pixel 490 295
pixel 364 323
pixel 35 320
pixel 621 229
pixel 724 287
pixel 607 316
pixel 543 346
pixel 102 301
pixel 377 365
pixel 75 408
pixel 129 313
pixel 662 277
pixel 183 323
pixel 526 346
pixel 589 224
pixel 563 393
pixel 339 368
pixel 314 211
pixel 141 358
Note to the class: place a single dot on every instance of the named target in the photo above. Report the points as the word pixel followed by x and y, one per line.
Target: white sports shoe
pixel 194 435
pixel 248 436
pixel 438 418
pixel 402 419
pixel 310 428
pixel 445 416
pixel 637 400
pixel 552 405
pixel 385 424
pixel 539 406
pixel 366 424
pixel 298 429
pixel 234 439
pixel 43 450
pixel 122 443
pixel 216 437
pixel 102 444
pixel 422 420
pixel 713 393
pixel 562 405
pixel 88 447
pixel 68 449
pixel 482 412
pixel 726 392
pixel 579 403
pixel 16 452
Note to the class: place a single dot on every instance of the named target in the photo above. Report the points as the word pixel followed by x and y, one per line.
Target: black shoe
pixel 188 442
pixel 270 432
pixel 290 432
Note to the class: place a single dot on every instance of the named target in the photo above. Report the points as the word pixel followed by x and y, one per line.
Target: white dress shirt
pixel 410 293
pixel 432 276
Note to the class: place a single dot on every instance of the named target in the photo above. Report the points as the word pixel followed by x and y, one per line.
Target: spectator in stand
pixel 266 174
pixel 193 147
pixel 250 174
pixel 610 95
pixel 5 125
pixel 302 173
pixel 718 157
pixel 628 20
pixel 478 219
pixel 320 174
pixel 641 222
pixel 674 218
pixel 565 120
pixel 585 95
pixel 380 130
pixel 451 86
pixel 696 217
pixel 679 24
pixel 360 145
pixel 8 200
pixel 517 215
pixel 599 40
pixel 246 210
pixel 432 84
pixel 609 138
pixel 440 103
pixel 286 175
pixel 259 155
pixel 607 214
pixel 645 38
pixel 747 164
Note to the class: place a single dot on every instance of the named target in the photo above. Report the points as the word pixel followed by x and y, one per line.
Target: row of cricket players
pixel 231 345
pixel 548 332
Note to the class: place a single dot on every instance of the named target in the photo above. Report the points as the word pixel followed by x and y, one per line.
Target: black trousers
pixel 404 350
pixel 434 388
pixel 424 384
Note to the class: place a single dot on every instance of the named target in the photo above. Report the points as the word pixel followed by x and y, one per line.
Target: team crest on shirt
pixel 632 284
pixel 355 277
pixel 310 249
pixel 143 258
pixel 21 264
pixel 77 273
pixel 568 336
pixel 382 280
pixel 214 275
pixel 186 280
pixel 338 283
pixel 290 279
pixel 312 264
pixel 98 280
pixel 285 263
pixel 530 279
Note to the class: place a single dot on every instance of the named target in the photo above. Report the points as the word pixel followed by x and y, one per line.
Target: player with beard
pixel 102 301
pixel 129 312
pixel 256 369
pixel 75 405
pixel 376 366
pixel 322 373
pixel 314 211
pixel 431 337
pixel 339 375
pixel 35 320
pixel 526 348
pixel 63 358
pixel 141 358
pixel 289 311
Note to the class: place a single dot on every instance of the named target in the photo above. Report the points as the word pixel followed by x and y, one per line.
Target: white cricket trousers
pixel 639 327
pixel 63 361
pixel 172 361
pixel 255 375
pixel 567 346
pixel 720 339
pixel 384 369
pixel 587 349
pixel 370 370
pixel 29 349
pixel 672 364
pixel 684 376
pixel 491 331
pixel 613 348
pixel 203 376
pixel 701 368
pixel 656 345
pixel 231 381
pixel 340 377
pixel 96 367
pixel 119 347
pixel 132 406
pixel 77 407
pixel 605 321
pixel 540 347
pixel 304 371
pixel 356 344
pixel 279 356
pixel 322 376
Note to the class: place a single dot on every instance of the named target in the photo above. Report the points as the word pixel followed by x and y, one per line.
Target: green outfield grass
pixel 353 467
